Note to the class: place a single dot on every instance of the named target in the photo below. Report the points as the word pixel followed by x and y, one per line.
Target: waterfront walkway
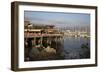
pixel 30 35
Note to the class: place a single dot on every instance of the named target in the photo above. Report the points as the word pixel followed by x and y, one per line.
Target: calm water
pixel 72 48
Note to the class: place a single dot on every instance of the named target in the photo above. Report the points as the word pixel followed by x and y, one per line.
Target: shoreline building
pixel 44 37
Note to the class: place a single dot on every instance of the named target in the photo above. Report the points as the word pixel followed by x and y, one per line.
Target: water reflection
pixel 76 48
pixel 59 49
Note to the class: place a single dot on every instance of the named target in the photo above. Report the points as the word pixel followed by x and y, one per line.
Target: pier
pixel 44 43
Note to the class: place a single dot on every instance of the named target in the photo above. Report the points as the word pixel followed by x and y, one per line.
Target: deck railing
pixel 30 35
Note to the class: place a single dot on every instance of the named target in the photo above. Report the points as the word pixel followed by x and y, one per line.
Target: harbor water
pixel 76 48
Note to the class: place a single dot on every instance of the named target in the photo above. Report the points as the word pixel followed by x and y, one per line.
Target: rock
pixel 50 50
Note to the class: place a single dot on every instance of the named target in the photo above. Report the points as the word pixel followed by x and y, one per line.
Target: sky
pixel 59 19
